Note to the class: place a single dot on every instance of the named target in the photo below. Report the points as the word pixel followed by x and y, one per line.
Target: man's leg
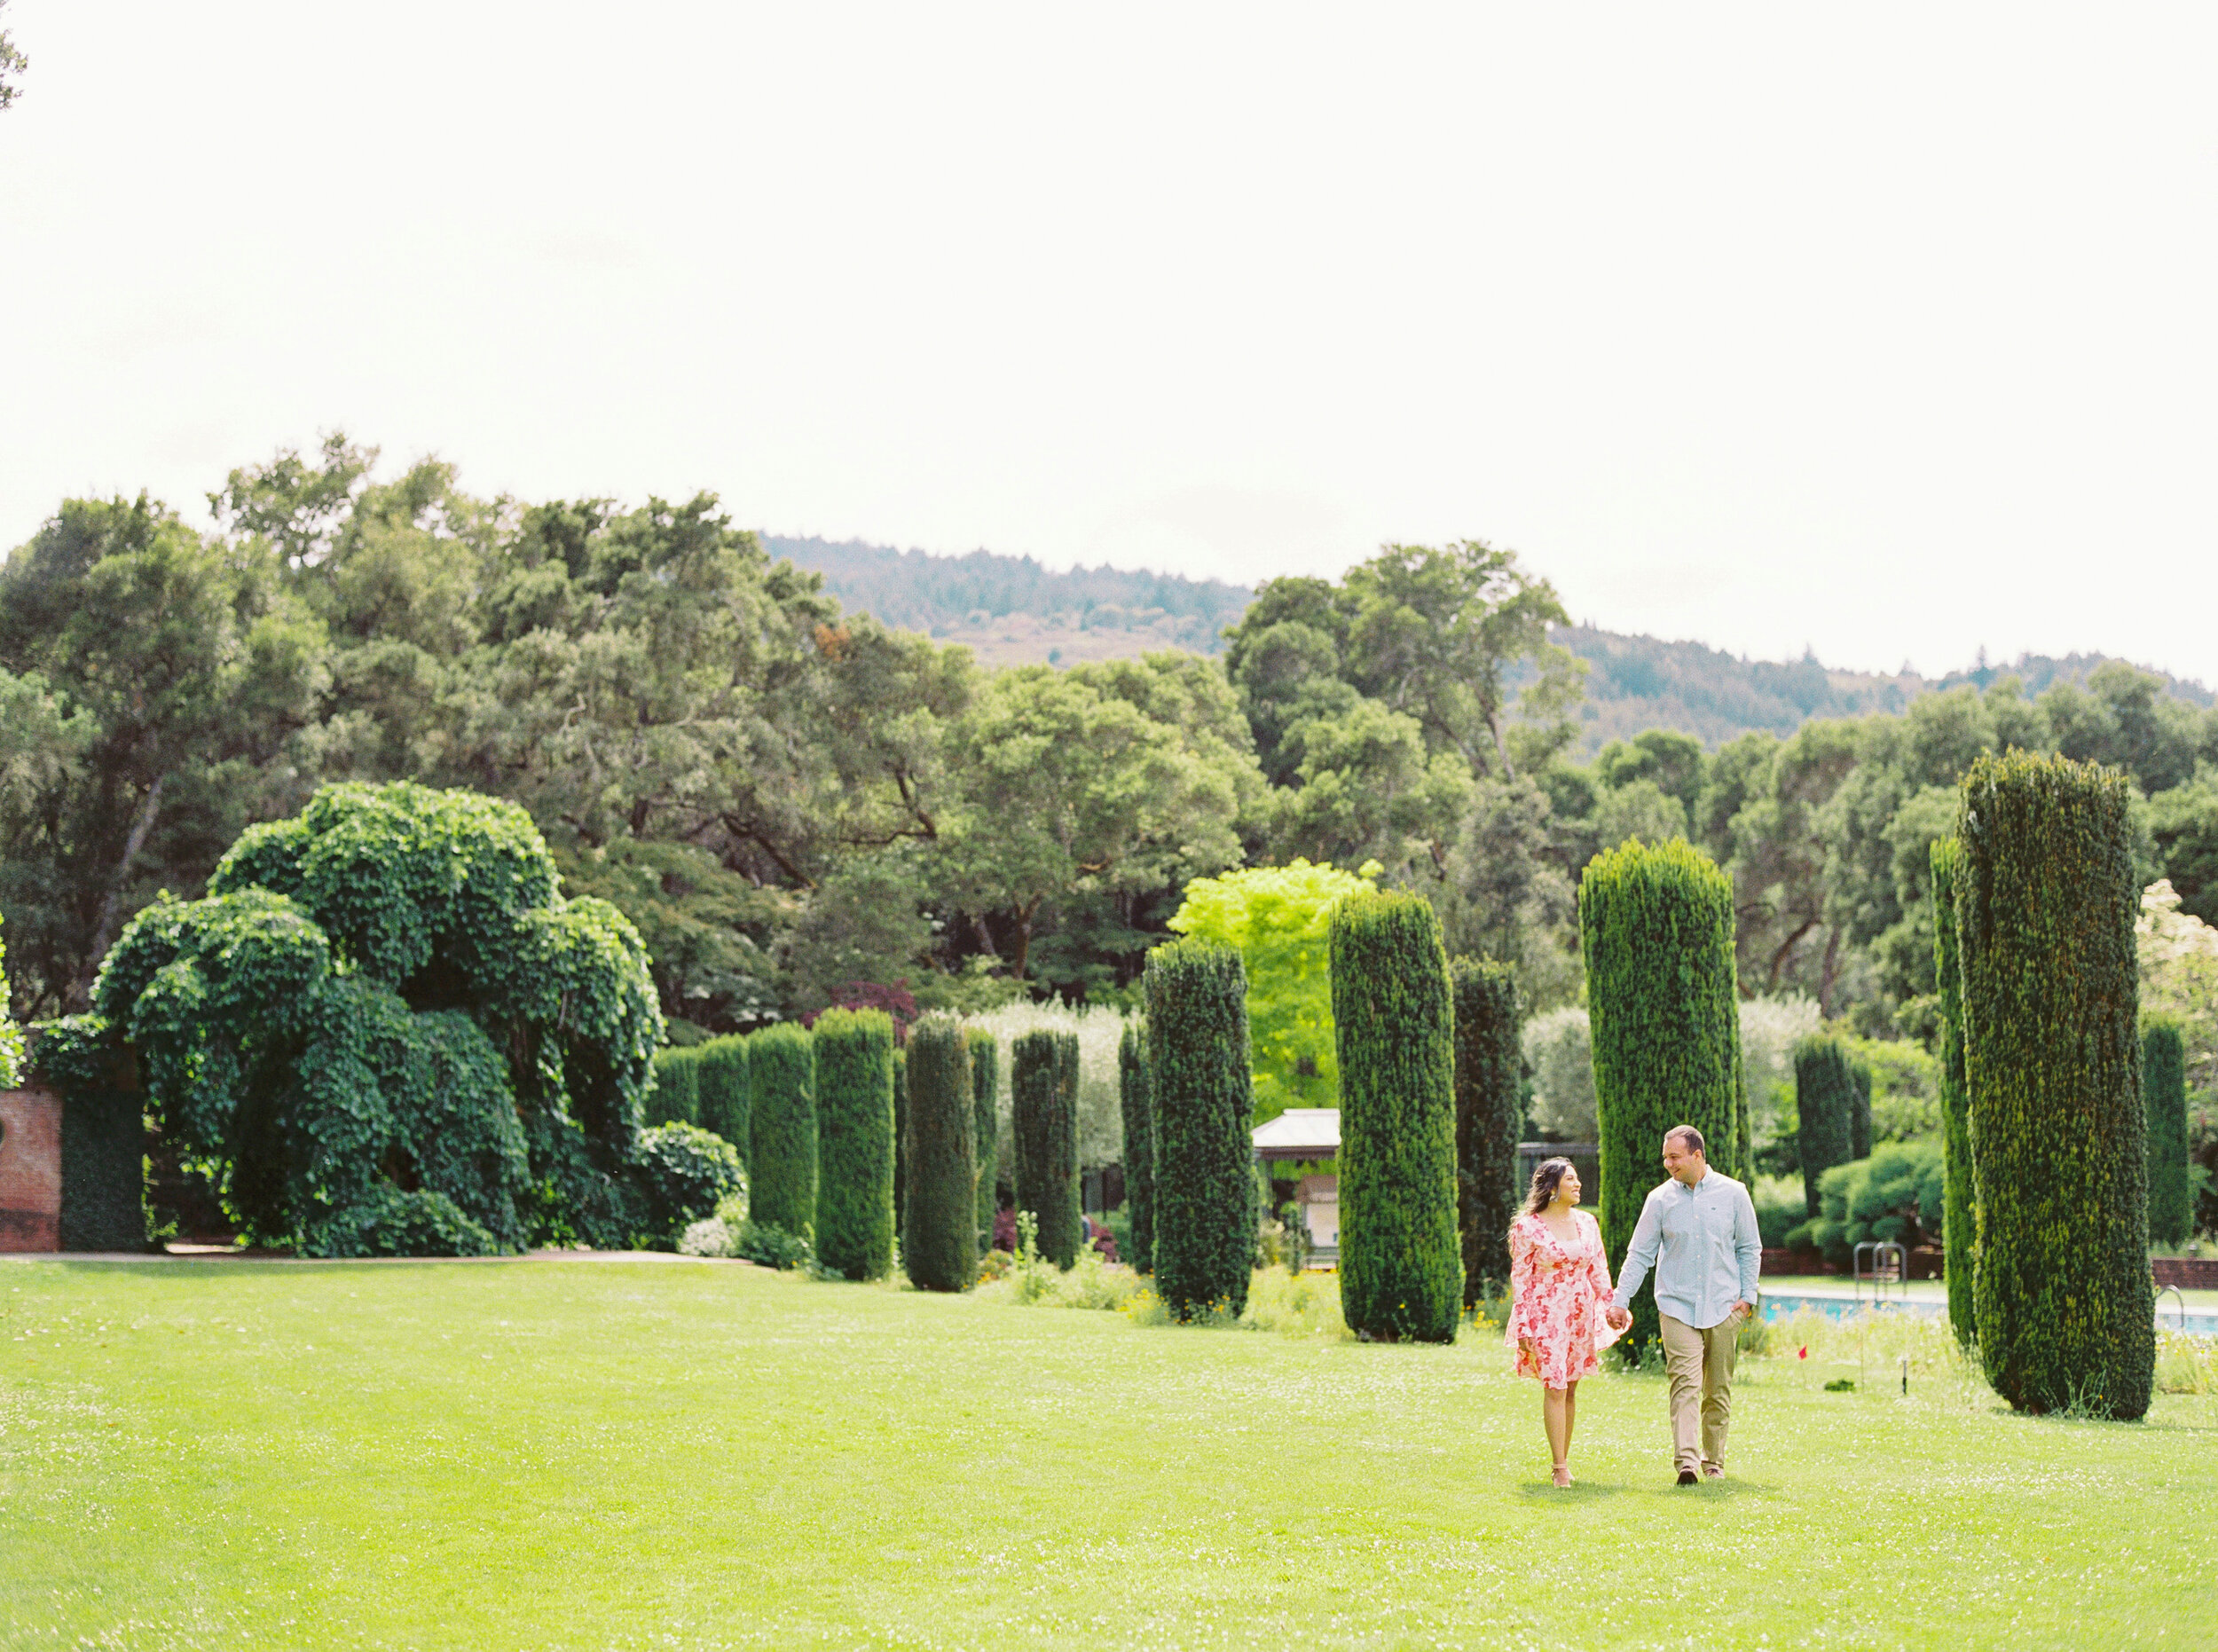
pixel 1683 1363
pixel 1721 1348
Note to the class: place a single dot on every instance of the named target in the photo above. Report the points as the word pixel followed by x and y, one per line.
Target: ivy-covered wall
pixel 390 1027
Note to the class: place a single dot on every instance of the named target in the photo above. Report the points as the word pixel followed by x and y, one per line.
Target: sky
pixel 1884 331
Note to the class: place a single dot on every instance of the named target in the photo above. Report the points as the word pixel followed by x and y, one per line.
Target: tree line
pixel 791 800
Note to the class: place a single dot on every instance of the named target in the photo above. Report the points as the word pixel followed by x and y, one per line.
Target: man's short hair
pixel 1688 1137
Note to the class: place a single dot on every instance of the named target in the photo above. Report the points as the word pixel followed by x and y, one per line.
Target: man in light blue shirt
pixel 1698 1231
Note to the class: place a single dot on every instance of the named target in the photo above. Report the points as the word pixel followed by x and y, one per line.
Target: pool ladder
pixel 1880 1265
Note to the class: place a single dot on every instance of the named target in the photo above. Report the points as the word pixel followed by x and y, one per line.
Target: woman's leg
pixel 1555 1418
pixel 1570 1416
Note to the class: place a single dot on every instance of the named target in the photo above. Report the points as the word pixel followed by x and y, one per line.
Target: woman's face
pixel 1567 1191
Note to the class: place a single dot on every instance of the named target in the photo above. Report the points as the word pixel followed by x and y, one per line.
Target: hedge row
pixel 720 1083
pixel 1655 924
pixel 939 1242
pixel 2163 1091
pixel 1825 1103
pixel 1200 1085
pixel 1044 1096
pixel 2045 914
pixel 1139 1145
pixel 676 1097
pixel 855 1109
pixel 781 1099
pixel 985 1127
pixel 1959 1227
pixel 1490 1114
pixel 1400 1260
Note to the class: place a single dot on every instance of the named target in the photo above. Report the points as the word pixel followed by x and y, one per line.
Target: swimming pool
pixel 2198 1322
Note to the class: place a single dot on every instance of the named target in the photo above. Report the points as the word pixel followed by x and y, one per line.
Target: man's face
pixel 1681 1164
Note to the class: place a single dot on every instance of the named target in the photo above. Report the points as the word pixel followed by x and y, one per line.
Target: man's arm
pixel 1647 1233
pixel 1748 1240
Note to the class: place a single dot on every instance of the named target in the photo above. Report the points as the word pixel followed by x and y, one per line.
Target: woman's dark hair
pixel 1545 1177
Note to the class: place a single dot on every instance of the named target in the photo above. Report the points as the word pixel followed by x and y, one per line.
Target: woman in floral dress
pixel 1561 1313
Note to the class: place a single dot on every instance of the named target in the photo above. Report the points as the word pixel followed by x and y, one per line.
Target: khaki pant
pixel 1700 1365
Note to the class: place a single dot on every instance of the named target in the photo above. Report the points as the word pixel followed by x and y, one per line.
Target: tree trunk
pixel 112 909
pixel 1024 938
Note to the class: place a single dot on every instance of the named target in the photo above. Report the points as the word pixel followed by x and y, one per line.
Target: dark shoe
pixel 1687 1476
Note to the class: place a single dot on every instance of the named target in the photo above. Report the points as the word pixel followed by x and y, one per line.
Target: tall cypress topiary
pixel 1655 924
pixel 855 1138
pixel 1825 1103
pixel 1859 1108
pixel 1046 1129
pixel 901 1139
pixel 1489 1112
pixel 676 1097
pixel 1743 1122
pixel 1200 1087
pixel 2164 1089
pixel 781 1105
pixel 722 1081
pixel 2059 1133
pixel 1139 1145
pixel 984 1125
pixel 1401 1263
pixel 940 1244
pixel 1959 1199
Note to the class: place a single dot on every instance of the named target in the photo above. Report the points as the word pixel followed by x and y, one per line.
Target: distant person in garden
pixel 1561 1312
pixel 1698 1231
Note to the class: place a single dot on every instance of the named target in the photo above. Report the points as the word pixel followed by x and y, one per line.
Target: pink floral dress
pixel 1559 1293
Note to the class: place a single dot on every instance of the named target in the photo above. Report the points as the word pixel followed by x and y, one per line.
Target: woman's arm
pixel 1521 1272
pixel 1598 1261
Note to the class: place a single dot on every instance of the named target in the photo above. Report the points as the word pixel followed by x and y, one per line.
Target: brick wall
pixel 30 1170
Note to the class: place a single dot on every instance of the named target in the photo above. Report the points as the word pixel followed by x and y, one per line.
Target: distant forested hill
pixel 1010 609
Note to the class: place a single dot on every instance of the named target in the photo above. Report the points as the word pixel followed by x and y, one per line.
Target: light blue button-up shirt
pixel 1703 1245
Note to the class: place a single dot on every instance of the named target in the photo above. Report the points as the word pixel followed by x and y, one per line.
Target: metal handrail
pixel 2179 1295
pixel 1879 1249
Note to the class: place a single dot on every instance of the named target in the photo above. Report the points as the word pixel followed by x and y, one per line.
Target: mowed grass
pixel 662 1453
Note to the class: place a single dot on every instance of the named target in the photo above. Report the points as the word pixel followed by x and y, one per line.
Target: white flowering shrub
pixel 1560 1050
pixel 1100 1118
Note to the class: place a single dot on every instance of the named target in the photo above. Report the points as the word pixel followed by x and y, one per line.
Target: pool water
pixel 1786 1304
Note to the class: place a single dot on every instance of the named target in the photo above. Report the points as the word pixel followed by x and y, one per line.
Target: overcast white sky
pixel 1889 332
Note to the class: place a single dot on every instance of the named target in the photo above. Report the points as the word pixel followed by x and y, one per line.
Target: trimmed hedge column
pixel 1825 1103
pixel 939 1243
pixel 1044 1116
pixel 984 1127
pixel 854 1142
pixel 1200 1083
pixel 2059 1129
pixel 1401 1266
pixel 901 1139
pixel 722 1081
pixel 676 1097
pixel 1657 927
pixel 1139 1145
pixel 2164 1089
pixel 1489 1110
pixel 1960 1242
pixel 1860 1109
pixel 781 1105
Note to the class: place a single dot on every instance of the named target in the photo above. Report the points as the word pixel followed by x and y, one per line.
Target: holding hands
pixel 1617 1316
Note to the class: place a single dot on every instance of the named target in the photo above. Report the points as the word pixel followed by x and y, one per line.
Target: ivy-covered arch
pixel 390 1030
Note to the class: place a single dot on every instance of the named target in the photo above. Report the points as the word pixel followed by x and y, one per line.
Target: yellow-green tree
pixel 1280 918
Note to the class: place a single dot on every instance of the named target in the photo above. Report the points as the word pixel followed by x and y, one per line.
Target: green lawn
pixel 662 1453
